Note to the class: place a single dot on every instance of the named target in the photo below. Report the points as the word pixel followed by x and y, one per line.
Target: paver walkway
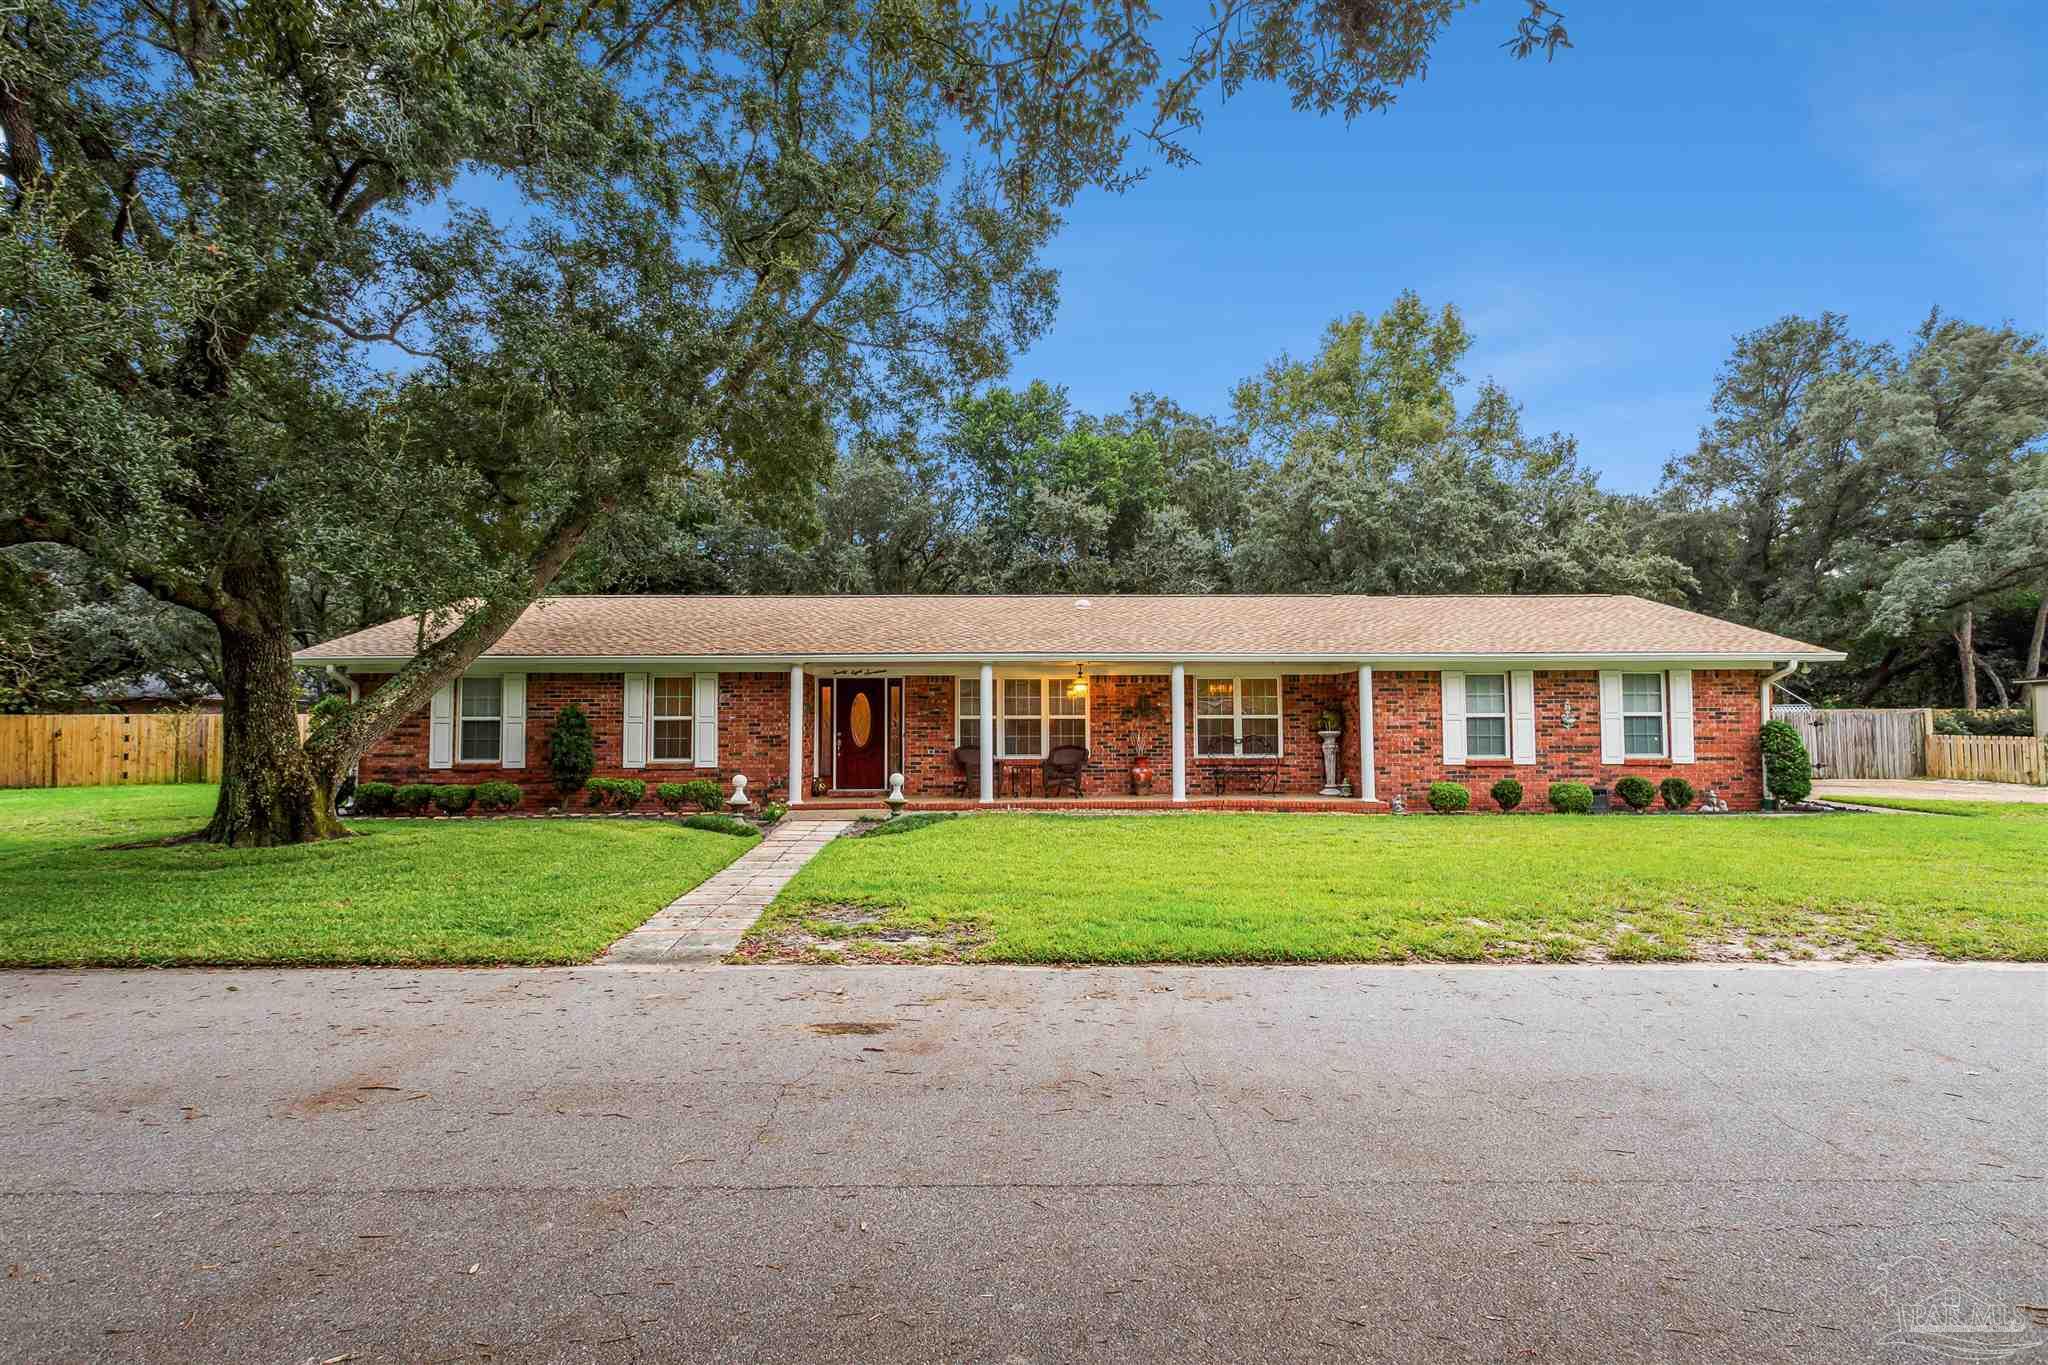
pixel 1929 789
pixel 705 923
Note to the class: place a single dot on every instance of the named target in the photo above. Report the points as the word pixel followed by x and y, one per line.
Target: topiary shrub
pixel 704 794
pixel 672 795
pixel 1636 792
pixel 1448 798
pixel 1788 768
pixel 1506 793
pixel 374 798
pixel 571 754
pixel 1571 798
pixel 454 799
pixel 498 796
pixel 722 824
pixel 770 813
pixel 1677 793
pixel 413 797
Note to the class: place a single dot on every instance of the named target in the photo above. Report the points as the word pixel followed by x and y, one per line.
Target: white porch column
pixel 796 734
pixel 988 734
pixel 1368 780
pixel 1180 732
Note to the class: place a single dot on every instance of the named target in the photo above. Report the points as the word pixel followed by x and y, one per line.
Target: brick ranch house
pixel 1211 700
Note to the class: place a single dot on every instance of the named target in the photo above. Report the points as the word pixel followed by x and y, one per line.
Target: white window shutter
pixel 1681 715
pixel 513 750
pixel 1611 748
pixel 633 750
pixel 441 728
pixel 1454 718
pixel 1522 714
pixel 705 714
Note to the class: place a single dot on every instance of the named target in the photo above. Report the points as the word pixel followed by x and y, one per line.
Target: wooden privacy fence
pixel 1988 758
pixel 1864 743
pixel 107 751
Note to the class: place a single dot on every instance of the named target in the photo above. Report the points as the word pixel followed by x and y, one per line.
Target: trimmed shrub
pixel 596 791
pixel 1677 793
pixel 1636 792
pixel 1571 798
pixel 571 754
pixel 672 795
pixel 722 824
pixel 454 798
pixel 496 796
pixel 1448 798
pixel 628 792
pixel 770 813
pixel 413 797
pixel 375 798
pixel 1788 768
pixel 705 795
pixel 1506 793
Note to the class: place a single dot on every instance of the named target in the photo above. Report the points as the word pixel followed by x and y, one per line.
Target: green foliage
pixel 1636 792
pixel 327 710
pixel 1506 793
pixel 672 796
pixel 1991 720
pixel 722 824
pixel 1788 768
pixel 413 797
pixel 910 824
pixel 1571 798
pixel 704 794
pixel 454 798
pixel 572 754
pixel 375 798
pixel 770 813
pixel 1449 798
pixel 498 796
pixel 1677 792
pixel 614 793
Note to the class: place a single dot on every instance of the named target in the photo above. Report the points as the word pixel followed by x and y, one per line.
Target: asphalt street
pixel 1419 1164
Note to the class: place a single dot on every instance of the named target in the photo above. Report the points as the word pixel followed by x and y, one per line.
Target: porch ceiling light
pixel 1079 686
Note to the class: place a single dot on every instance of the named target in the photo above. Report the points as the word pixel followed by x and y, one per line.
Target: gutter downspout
pixel 1764 696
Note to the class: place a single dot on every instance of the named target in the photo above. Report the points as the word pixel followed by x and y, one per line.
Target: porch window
pixel 967 715
pixel 1236 716
pixel 483 719
pixel 1642 715
pixel 1023 714
pixel 1069 716
pixel 1486 715
pixel 672 701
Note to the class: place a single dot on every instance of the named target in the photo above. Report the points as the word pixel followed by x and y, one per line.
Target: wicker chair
pixel 1063 767
pixel 966 770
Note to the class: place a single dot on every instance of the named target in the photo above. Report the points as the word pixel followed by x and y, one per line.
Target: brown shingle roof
pixel 1104 628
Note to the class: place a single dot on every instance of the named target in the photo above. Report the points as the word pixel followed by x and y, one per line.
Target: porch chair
pixel 966 771
pixel 1264 778
pixel 1063 768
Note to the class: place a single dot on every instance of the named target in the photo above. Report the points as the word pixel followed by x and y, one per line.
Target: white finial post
pixel 738 799
pixel 896 798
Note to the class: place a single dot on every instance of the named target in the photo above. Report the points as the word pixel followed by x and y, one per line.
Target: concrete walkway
pixel 706 922
pixel 1928 789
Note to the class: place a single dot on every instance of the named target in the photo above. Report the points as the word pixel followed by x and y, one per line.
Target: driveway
pixel 1591 1163
pixel 1928 789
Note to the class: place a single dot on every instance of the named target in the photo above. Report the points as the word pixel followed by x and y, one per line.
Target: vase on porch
pixel 1330 787
pixel 1141 778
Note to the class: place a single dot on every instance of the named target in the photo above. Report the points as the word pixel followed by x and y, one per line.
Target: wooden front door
pixel 860 721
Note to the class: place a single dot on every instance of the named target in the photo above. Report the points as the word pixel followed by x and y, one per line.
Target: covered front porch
pixel 1057 734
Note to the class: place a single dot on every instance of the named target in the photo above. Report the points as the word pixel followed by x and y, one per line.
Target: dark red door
pixel 862 720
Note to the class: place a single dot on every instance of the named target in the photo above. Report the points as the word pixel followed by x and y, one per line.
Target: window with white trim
pixel 967 726
pixel 672 715
pixel 1237 716
pixel 1067 713
pixel 1486 715
pixel 1643 715
pixel 482 713
pixel 1023 717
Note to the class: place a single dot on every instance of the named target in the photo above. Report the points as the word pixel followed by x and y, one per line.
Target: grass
pixel 407 892
pixel 1289 888
pixel 1996 810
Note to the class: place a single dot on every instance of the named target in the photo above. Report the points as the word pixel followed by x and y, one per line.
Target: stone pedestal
pixel 1330 787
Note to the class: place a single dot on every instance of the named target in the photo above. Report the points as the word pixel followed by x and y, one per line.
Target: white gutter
pixel 1341 661
pixel 1764 698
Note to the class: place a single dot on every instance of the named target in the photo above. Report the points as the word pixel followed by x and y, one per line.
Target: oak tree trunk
pixel 1966 657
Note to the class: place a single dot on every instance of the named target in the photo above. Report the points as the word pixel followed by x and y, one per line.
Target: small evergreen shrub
pixel 571 754
pixel 497 796
pixel 771 812
pixel 413 797
pixel 1571 798
pixel 704 794
pixel 375 798
pixel 596 791
pixel 1506 793
pixel 672 795
pixel 1677 793
pixel 628 792
pixel 454 799
pixel 1448 798
pixel 1636 792
pixel 722 824
pixel 1788 768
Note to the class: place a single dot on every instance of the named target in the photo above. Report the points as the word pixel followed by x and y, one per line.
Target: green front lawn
pixel 1304 888
pixel 406 892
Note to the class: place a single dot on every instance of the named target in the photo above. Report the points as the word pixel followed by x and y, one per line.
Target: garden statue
pixel 738 799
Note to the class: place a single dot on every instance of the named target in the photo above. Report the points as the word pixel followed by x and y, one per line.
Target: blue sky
pixel 1607 222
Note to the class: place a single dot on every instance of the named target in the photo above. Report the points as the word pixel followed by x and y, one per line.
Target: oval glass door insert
pixel 860 722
